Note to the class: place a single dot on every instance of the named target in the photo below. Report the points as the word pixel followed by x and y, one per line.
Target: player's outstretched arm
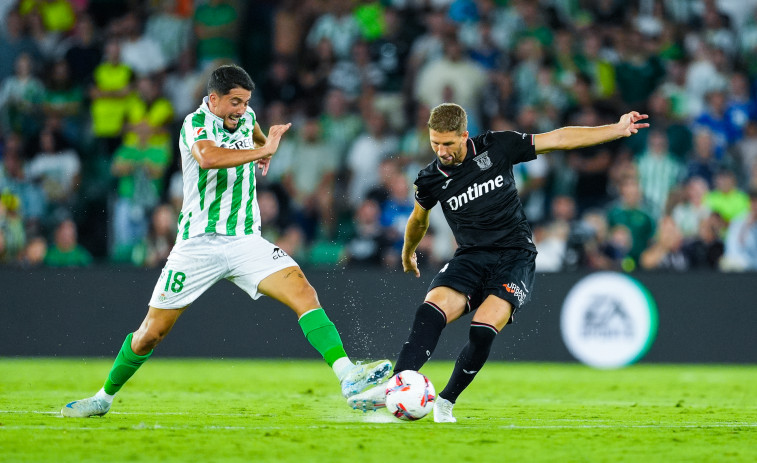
pixel 415 230
pixel 211 156
pixel 568 138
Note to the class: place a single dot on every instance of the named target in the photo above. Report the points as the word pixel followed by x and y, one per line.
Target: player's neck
pixel 463 153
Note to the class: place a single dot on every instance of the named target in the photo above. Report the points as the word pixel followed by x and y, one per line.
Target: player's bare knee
pixel 447 298
pixel 145 340
pixel 306 298
pixel 301 298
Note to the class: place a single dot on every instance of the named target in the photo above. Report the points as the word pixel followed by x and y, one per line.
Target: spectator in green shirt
pixel 640 70
pixel 110 94
pixel 726 199
pixel 11 227
pixel 215 25
pixel 139 164
pixel 64 100
pixel 66 251
pixel 148 115
pixel 57 15
pixel 631 214
pixel 659 172
pixel 20 97
pixel 741 243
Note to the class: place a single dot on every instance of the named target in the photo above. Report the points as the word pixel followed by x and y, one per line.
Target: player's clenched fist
pixel 410 265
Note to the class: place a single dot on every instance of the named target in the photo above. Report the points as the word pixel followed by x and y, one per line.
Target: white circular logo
pixel 608 320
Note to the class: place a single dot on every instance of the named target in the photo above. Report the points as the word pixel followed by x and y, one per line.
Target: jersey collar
pixel 472 148
pixel 440 169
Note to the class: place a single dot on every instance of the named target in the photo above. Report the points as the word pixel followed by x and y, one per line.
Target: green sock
pixel 125 365
pixel 322 335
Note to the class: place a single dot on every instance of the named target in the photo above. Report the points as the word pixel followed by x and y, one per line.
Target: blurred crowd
pixel 93 92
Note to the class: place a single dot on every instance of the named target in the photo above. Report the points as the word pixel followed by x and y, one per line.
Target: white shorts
pixel 194 265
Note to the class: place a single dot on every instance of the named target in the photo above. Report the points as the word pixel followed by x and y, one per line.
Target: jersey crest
pixel 483 160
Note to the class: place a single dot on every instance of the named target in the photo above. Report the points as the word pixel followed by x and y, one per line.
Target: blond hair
pixel 448 117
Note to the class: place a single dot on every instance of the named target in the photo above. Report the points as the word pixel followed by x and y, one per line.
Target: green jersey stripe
pixel 185 235
pixel 236 201
pixel 248 221
pixel 202 185
pixel 214 211
pixel 198 126
pixel 183 136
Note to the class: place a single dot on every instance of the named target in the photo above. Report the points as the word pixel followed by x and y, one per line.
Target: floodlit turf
pixel 282 411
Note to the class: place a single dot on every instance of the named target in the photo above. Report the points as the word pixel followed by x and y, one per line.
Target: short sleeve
pixel 199 129
pixel 423 194
pixel 518 147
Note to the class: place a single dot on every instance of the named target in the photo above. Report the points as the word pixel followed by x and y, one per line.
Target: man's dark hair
pixel 448 117
pixel 228 77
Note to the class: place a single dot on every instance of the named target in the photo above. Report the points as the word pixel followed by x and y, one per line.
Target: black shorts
pixel 505 273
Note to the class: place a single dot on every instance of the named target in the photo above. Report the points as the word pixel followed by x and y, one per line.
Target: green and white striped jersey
pixel 220 201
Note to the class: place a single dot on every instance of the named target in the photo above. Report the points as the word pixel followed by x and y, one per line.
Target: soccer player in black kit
pixel 492 271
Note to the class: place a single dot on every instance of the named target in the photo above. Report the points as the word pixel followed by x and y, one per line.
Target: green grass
pixel 282 411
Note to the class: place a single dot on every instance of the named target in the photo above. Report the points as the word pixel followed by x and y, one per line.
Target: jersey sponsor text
pixel 475 191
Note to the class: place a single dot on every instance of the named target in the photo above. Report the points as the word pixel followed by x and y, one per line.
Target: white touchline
pixel 259 428
pixel 607 424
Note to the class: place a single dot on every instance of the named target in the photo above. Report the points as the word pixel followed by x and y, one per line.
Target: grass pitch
pixel 282 411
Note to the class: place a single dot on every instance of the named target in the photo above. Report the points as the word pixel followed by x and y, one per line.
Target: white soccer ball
pixel 409 395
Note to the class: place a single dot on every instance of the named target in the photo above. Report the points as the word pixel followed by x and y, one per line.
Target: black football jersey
pixel 478 197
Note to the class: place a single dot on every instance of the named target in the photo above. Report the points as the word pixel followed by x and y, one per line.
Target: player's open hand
pixel 629 123
pixel 410 265
pixel 274 137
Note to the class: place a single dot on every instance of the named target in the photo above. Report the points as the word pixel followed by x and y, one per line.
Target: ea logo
pixel 608 320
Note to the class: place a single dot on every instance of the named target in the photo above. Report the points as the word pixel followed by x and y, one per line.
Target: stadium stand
pixel 92 94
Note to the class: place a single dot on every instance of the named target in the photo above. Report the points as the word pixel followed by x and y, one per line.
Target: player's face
pixel 230 107
pixel 449 147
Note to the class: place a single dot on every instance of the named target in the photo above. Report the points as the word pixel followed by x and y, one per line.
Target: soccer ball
pixel 409 395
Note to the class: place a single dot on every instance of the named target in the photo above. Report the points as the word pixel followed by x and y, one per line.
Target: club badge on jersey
pixel 483 160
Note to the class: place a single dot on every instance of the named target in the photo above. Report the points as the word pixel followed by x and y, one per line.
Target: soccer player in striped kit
pixel 219 237
pixel 492 271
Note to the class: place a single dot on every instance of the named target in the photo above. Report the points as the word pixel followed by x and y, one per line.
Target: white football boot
pixel 365 375
pixel 443 411
pixel 371 399
pixel 84 408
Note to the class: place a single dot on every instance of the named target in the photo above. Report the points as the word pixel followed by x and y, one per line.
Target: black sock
pixel 471 359
pixel 427 327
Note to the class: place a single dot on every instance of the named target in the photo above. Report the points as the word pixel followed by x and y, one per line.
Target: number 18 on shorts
pixel 171 283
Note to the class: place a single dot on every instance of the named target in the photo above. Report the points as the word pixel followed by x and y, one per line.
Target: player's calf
pixel 471 359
